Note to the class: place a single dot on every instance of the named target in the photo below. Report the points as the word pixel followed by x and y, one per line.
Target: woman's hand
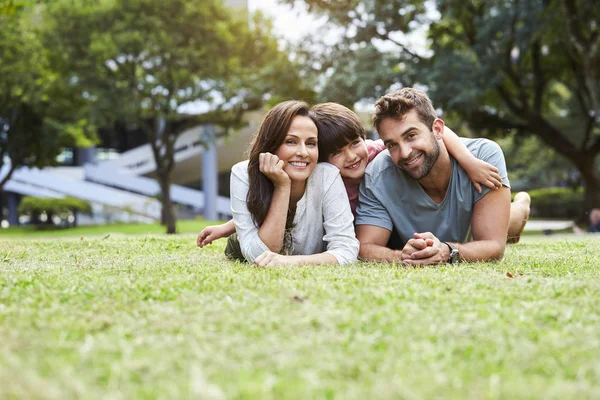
pixel 482 173
pixel 272 167
pixel 271 259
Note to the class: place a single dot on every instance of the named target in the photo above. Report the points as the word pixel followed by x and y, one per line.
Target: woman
pixel 288 209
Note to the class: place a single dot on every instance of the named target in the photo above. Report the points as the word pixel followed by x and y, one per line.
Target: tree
pixel 66 209
pixel 34 123
pixel 140 61
pixel 8 7
pixel 535 165
pixel 529 66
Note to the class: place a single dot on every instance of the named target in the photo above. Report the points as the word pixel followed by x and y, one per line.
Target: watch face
pixel 453 259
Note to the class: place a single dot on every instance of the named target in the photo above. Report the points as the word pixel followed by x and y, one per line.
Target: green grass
pixel 183 226
pixel 155 317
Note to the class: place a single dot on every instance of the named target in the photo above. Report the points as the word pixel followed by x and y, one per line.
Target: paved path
pixel 553 225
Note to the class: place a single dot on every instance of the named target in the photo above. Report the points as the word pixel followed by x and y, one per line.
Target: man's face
pixel 412 145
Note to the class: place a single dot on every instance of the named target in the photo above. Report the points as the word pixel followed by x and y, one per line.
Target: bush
pixel 36 206
pixel 556 202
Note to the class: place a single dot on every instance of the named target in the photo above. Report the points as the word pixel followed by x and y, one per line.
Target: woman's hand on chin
pixel 271 259
pixel 272 167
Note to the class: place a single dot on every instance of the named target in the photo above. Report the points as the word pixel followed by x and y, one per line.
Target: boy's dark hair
pixel 338 126
pixel 400 102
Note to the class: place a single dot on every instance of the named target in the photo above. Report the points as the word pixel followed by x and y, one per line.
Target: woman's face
pixel 299 150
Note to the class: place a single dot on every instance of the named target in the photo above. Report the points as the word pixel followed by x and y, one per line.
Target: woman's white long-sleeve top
pixel 323 220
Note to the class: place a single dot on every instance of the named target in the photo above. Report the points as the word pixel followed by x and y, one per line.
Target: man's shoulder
pixel 481 147
pixel 380 165
pixel 490 152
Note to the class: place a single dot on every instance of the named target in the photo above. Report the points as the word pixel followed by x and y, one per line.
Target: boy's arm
pixel 480 172
pixel 214 232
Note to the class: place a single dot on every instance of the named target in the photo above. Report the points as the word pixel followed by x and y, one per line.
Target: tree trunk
pixel 591 180
pixel 12 169
pixel 163 218
pixel 167 214
pixel 584 160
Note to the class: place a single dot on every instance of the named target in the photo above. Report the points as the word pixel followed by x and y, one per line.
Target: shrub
pixel 556 202
pixel 36 206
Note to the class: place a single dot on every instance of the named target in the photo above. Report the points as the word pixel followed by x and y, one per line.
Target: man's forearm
pixel 373 252
pixel 481 250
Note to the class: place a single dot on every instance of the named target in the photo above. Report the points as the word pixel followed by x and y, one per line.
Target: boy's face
pixel 351 159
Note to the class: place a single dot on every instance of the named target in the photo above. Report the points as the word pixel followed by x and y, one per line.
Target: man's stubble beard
pixel 429 160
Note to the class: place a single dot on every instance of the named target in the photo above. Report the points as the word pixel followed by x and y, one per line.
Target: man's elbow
pixel 497 251
pixel 362 252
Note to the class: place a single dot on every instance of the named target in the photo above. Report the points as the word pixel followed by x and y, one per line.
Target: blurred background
pixel 135 110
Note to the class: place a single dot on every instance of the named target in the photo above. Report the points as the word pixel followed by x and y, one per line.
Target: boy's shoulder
pixel 374 147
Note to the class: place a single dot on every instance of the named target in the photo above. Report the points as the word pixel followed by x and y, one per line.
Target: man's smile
pixel 413 160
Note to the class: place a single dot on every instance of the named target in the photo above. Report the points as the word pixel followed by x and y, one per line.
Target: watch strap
pixel 454 256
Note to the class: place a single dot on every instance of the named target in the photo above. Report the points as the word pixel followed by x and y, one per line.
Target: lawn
pixel 31 231
pixel 155 317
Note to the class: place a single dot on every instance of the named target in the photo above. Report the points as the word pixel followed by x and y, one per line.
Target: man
pixel 419 189
pixel 594 223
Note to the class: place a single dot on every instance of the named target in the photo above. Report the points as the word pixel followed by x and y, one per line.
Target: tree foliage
pixel 527 66
pixel 534 165
pixel 10 7
pixel 64 208
pixel 36 119
pixel 141 61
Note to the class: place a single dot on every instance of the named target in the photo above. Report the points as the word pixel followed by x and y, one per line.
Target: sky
pixel 289 22
pixel 293 23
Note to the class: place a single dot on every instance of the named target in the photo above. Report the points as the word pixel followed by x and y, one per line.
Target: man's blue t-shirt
pixel 389 197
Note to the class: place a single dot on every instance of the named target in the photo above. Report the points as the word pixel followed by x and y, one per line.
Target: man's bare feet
pixel 519 214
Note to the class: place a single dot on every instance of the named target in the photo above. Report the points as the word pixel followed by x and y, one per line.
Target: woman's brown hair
pixel 270 136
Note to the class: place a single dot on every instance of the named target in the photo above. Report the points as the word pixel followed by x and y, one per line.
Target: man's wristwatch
pixel 454 257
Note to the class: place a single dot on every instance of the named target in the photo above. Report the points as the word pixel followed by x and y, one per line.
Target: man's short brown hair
pixel 338 126
pixel 400 102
